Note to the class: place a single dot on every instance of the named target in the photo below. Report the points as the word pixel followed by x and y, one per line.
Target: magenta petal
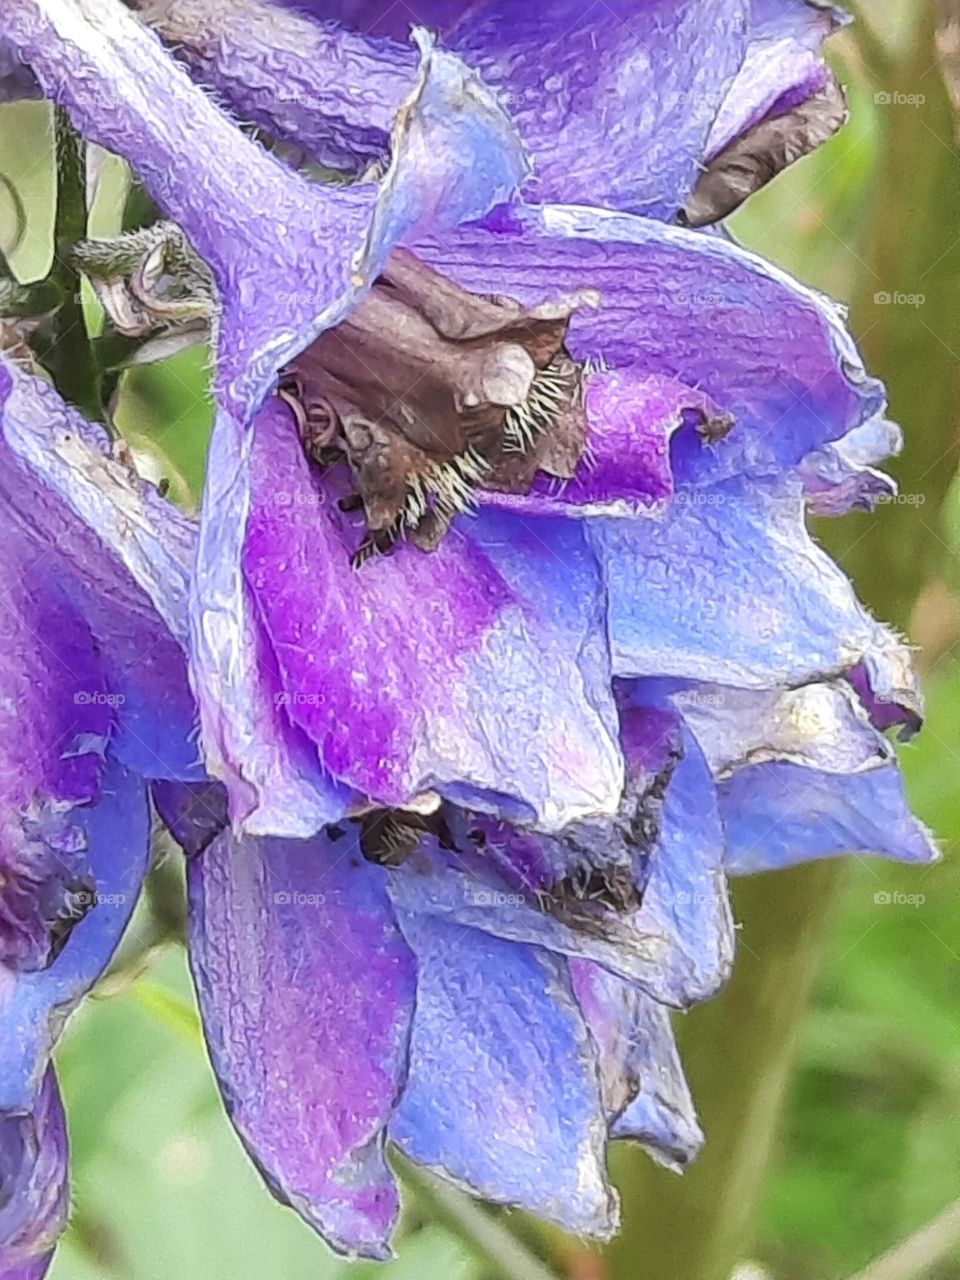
pixel 306 989
pixel 631 420
pixel 481 666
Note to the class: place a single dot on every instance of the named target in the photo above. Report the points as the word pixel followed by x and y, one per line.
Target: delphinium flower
pixel 94 703
pixel 507 634
pixel 654 107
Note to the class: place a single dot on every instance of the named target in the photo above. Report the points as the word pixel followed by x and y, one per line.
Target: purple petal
pixel 16 81
pixel 114 833
pixel 646 1095
pixel 455 156
pixel 485 667
pixel 844 476
pixel 306 989
pixel 631 420
pixel 680 305
pixel 503 1095
pixel 888 687
pixel 643 894
pixel 119 553
pixel 34 1193
pixel 331 91
pixel 783 66
pixel 784 103
pixel 729 589
pixel 559 65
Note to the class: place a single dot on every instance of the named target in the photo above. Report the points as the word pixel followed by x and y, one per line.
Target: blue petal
pixel 803 774
pixel 645 1093
pixel 503 1095
pixel 778 815
pixel 686 898
pixel 35 1005
pixel 730 589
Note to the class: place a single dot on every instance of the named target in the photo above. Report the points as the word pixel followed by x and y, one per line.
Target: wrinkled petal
pixel 16 81
pixel 731 589
pixel 778 815
pixel 482 665
pixel 820 726
pixel 783 104
pixel 35 1005
pixel 685 899
pixel 332 91
pixel 770 353
pixel 844 475
pixel 504 1095
pixel 454 156
pixel 642 894
pixel 34 1193
pixel 887 684
pixel 478 898
pixel 614 101
pixel 783 66
pixel 631 420
pixel 55 720
pixel 803 774
pixel 119 552
pixel 646 1095
pixel 306 988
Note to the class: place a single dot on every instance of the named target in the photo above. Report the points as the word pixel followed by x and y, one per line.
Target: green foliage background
pixel 869 1143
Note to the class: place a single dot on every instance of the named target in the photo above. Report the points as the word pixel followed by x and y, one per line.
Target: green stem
pixel 919 1254
pixel 69 355
pixel 737 1051
pixel 510 1259
pixel 740 1049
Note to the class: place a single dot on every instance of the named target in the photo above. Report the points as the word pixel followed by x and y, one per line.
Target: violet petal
pixel 34 1192
pixel 35 1005
pixel 306 989
pixel 677 304
pixel 499 685
pixel 730 589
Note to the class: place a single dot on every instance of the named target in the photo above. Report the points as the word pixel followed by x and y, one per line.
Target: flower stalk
pixel 71 358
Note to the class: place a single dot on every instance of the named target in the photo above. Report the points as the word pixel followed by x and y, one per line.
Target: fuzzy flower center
pixel 429 392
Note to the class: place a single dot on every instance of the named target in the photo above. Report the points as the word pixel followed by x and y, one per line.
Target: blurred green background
pixel 833 1123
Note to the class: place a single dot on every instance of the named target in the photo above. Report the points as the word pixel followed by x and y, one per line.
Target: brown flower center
pixel 429 392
